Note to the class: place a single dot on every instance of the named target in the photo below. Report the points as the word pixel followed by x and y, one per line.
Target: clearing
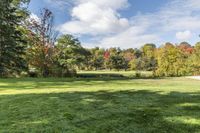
pixel 101 105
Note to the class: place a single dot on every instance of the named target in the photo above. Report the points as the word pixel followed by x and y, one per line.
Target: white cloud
pixel 180 15
pixel 101 19
pixel 96 17
pixel 114 4
pixel 183 36
pixel 132 37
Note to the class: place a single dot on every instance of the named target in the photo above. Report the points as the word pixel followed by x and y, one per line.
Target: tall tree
pixel 148 57
pixel 97 60
pixel 42 38
pixel 171 61
pixel 69 54
pixel 116 59
pixel 12 44
pixel 194 60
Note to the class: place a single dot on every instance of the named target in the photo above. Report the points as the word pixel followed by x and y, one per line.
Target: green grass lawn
pixel 105 73
pixel 100 105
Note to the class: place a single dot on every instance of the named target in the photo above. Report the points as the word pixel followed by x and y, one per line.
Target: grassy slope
pixel 100 105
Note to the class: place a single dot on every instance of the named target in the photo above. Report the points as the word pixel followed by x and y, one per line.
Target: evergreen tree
pixel 12 45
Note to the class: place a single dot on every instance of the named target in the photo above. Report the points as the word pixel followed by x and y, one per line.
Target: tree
pixel 148 57
pixel 186 48
pixel 69 53
pixel 137 63
pixel 194 60
pixel 41 38
pixel 128 54
pixel 171 61
pixel 97 60
pixel 86 58
pixel 116 59
pixel 12 44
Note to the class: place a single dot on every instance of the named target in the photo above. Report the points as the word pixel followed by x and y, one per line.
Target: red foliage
pixel 188 49
pixel 128 56
pixel 107 55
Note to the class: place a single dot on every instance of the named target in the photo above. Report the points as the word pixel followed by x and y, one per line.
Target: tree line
pixel 32 47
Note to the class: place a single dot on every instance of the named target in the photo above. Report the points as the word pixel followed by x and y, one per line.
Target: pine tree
pixel 12 45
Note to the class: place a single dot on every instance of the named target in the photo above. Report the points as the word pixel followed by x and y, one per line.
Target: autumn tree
pixel 41 38
pixel 186 48
pixel 194 60
pixel 148 57
pixel 171 61
pixel 116 60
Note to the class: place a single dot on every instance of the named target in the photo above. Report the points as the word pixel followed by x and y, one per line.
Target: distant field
pixel 169 105
pixel 105 73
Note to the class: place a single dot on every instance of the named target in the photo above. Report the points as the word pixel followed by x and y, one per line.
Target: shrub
pixel 138 75
pixel 33 73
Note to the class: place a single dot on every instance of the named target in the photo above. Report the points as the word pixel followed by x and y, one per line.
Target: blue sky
pixel 124 23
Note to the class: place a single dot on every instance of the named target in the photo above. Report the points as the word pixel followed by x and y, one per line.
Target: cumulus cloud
pixel 101 19
pixel 183 36
pixel 128 38
pixel 180 15
pixel 114 4
pixel 176 16
pixel 96 17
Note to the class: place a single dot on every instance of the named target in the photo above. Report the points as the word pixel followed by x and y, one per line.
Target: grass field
pixel 104 73
pixel 100 105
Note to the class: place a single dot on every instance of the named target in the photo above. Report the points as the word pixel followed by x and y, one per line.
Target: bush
pixel 24 74
pixel 70 73
pixel 138 75
pixel 33 73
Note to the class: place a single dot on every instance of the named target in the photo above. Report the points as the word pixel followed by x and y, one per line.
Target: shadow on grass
pixel 114 76
pixel 102 75
pixel 101 112
pixel 40 83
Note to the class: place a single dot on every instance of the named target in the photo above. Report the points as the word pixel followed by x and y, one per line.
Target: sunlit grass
pixel 100 105
pixel 124 73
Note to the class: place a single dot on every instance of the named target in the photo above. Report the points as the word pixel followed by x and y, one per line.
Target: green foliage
pixel 171 61
pixel 194 60
pixel 69 54
pixel 118 62
pixel 11 38
pixel 133 64
pixel 97 59
pixel 149 58
pixel 29 43
pixel 69 51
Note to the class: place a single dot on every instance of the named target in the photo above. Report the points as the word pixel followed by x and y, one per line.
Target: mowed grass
pixel 100 105
pixel 124 73
pixel 105 73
